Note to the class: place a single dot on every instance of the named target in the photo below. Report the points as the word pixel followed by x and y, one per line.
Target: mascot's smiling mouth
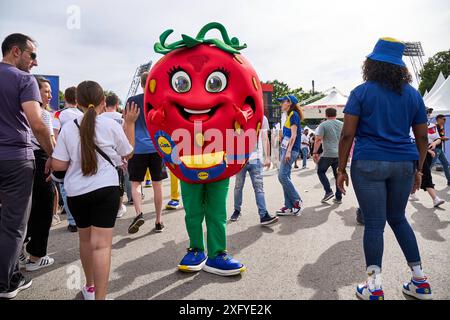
pixel 193 115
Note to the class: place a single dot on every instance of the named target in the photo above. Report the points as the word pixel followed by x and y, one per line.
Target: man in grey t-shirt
pixel 328 134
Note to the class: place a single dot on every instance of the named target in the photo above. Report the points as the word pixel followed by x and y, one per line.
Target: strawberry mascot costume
pixel 204 108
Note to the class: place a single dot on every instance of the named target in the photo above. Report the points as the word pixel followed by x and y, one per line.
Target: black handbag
pixel 118 169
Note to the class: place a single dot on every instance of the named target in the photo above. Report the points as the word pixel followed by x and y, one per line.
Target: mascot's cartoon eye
pixel 181 82
pixel 216 82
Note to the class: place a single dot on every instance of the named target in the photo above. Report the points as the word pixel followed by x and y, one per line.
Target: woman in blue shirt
pixel 290 149
pixel 386 164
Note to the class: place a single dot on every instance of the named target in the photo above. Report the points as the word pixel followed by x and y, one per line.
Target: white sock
pixel 374 280
pixel 417 272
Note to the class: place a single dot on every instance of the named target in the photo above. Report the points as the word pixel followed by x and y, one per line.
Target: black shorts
pixel 137 167
pixel 95 209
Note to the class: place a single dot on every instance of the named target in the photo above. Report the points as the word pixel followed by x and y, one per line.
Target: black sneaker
pixel 15 287
pixel 72 228
pixel 235 216
pixel 359 217
pixel 327 197
pixel 136 224
pixel 159 227
pixel 268 219
pixel 337 201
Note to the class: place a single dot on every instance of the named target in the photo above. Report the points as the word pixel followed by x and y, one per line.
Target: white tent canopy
pixel 440 101
pixel 439 82
pixel 334 99
pixel 309 129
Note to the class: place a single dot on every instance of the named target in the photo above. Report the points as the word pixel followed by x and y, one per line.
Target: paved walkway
pixel 315 256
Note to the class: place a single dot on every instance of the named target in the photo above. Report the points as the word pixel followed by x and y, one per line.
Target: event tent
pixel 440 101
pixel 335 99
pixel 439 82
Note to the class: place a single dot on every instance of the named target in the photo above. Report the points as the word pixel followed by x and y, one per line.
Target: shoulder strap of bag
pixel 104 155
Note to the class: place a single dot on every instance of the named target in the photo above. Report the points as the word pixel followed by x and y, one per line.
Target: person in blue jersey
pixel 386 165
pixel 290 149
pixel 145 156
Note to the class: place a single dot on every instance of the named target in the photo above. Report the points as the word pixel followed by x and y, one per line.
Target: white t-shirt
pixel 69 114
pixel 109 137
pixel 114 115
pixel 433 133
pixel 258 154
pixel 55 122
pixel 47 118
pixel 305 140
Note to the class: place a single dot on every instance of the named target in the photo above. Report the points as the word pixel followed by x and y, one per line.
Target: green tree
pixel 61 99
pixel 281 89
pixel 440 62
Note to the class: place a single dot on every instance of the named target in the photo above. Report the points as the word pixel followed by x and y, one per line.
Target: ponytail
pixel 89 95
pixel 87 139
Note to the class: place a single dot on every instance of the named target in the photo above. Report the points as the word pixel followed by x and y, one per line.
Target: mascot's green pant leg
pixel 206 201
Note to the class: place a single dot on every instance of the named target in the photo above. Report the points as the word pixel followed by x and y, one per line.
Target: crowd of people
pixel 88 156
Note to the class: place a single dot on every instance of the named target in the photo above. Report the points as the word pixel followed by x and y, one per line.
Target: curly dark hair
pixel 386 74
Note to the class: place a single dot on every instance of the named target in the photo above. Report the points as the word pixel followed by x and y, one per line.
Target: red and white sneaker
pixel 88 293
pixel 298 208
pixel 285 211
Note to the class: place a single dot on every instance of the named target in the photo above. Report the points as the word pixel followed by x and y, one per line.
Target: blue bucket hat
pixel 291 98
pixel 389 50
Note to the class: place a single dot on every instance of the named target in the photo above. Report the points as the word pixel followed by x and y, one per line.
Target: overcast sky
pixel 293 41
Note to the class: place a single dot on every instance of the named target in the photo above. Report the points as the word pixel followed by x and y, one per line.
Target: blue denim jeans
pixel 291 195
pixel 305 151
pixel 322 168
pixel 382 189
pixel 70 218
pixel 255 169
pixel 443 159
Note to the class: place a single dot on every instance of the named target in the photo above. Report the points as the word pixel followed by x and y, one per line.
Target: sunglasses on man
pixel 33 55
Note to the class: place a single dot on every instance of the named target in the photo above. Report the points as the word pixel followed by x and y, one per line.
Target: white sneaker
pixel 39 264
pixel 23 258
pixel 285 212
pixel 122 211
pixel 413 197
pixel 88 293
pixel 437 202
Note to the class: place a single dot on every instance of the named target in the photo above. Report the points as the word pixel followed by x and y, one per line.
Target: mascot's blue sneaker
pixel 418 288
pixel 193 261
pixel 224 265
pixel 363 292
pixel 173 205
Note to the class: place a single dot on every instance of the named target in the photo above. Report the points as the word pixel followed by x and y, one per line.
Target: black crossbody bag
pixel 105 156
